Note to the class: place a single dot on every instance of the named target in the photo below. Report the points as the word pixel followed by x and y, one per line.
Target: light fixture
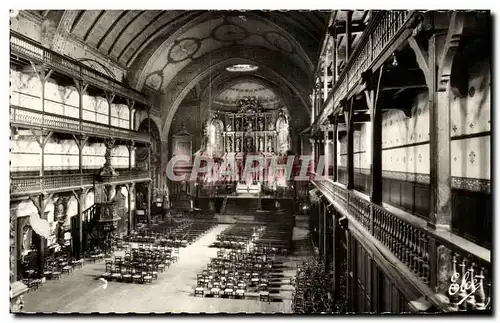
pixel 242 68
pixel 394 60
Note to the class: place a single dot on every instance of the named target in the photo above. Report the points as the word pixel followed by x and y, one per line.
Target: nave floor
pixel 173 291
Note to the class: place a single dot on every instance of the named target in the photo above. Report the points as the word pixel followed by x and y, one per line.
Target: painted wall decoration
pixel 211 35
pixel 405 141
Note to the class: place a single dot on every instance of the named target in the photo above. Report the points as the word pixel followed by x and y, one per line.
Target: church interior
pixel 293 162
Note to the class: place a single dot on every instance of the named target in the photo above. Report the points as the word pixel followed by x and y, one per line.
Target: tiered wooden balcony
pixel 24 48
pixel 382 36
pixel 31 184
pixel 429 258
pixel 25 117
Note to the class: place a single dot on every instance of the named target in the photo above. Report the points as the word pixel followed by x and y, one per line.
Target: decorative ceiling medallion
pixel 155 80
pixel 278 41
pixel 242 68
pixel 229 33
pixel 183 49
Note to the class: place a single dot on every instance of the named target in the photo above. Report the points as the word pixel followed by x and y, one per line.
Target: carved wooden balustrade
pixel 32 51
pixel 440 260
pixel 48 183
pixel 28 117
pixel 382 30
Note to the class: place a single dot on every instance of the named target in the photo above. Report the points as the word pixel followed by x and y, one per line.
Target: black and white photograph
pixel 291 162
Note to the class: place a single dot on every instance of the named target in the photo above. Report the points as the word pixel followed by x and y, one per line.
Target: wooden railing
pixel 33 184
pixel 438 259
pixel 24 47
pixel 28 117
pixel 382 30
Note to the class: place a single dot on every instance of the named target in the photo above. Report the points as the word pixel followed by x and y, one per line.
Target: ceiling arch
pixel 299 114
pixel 125 35
pixel 208 34
pixel 269 62
pixel 230 96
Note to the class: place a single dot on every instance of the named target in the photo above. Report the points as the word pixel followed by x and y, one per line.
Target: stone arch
pixel 300 114
pixel 277 65
pixel 150 52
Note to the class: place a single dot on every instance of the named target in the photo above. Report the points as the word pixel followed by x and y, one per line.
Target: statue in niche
pixel 261 124
pixel 249 144
pixel 26 239
pixel 237 124
pixel 283 133
pixel 229 146
pixel 269 144
pixel 229 126
pixel 261 144
pixel 238 144
pixel 249 126
pixel 271 126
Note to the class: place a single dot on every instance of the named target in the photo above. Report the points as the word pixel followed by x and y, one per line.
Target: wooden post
pixel 436 64
pixel 348 35
pixel 40 202
pixel 313 154
pixel 371 94
pixel 335 161
pixel 42 140
pixel 334 59
pixel 325 73
pixel 109 97
pixel 130 188
pixel 327 152
pixel 320 228
pixel 80 196
pixel 81 88
pixel 150 185
pixel 325 230
pixel 348 113
pixel 81 141
pixel 130 104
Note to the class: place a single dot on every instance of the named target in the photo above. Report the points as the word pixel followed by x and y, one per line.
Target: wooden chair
pixel 148 279
pixel 66 270
pixel 127 277
pixel 264 296
pixel 240 293
pixel 199 291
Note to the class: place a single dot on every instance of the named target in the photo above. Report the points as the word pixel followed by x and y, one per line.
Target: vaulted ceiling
pixel 170 52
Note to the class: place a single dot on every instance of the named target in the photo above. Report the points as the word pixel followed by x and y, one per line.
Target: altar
pixel 246 145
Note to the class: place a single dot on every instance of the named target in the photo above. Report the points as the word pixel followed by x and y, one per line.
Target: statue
pixel 229 146
pixel 269 145
pixel 261 124
pixel 26 239
pixel 237 125
pixel 238 144
pixel 249 144
pixel 229 125
pixel 261 144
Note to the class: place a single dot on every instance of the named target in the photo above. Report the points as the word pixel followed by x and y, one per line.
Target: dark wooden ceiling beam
pixel 141 31
pixel 110 50
pixel 94 23
pixel 99 43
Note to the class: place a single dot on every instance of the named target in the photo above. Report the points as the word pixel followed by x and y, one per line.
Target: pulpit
pixel 107 220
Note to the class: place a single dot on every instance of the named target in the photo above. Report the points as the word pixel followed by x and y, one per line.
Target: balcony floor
pixel 172 292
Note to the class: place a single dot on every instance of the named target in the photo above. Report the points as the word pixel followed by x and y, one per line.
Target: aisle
pixel 172 292
pixel 80 292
